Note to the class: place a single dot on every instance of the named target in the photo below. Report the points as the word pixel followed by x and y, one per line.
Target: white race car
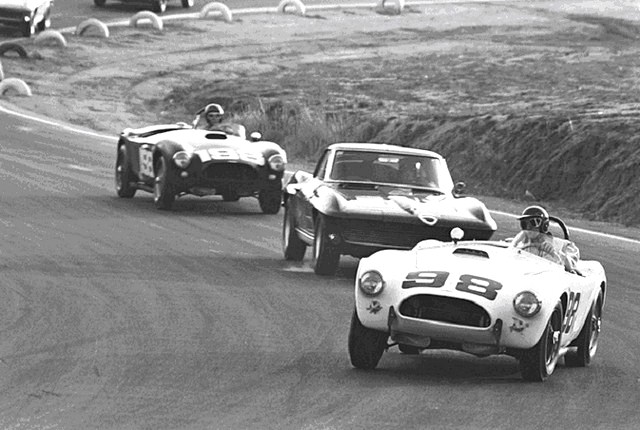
pixel 480 297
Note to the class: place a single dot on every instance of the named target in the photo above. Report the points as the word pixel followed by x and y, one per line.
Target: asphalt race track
pixel 114 315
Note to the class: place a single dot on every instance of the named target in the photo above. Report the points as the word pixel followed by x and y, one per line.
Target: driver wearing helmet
pixel 536 239
pixel 213 113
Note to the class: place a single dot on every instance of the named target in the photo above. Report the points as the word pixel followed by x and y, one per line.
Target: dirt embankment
pixel 539 97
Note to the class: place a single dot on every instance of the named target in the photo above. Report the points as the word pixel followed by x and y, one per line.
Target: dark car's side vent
pixel 469 251
pixel 216 136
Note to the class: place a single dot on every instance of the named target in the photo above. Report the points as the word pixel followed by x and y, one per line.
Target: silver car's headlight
pixel 182 159
pixel 371 283
pixel 526 304
pixel 277 162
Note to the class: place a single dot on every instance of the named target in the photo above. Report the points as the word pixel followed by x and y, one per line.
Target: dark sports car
pixel 29 16
pixel 365 197
pixel 172 160
pixel 156 5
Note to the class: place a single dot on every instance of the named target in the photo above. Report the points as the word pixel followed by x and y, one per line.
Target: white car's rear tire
pixel 587 340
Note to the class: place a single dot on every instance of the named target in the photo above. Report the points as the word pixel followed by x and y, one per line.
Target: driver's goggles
pixel 531 223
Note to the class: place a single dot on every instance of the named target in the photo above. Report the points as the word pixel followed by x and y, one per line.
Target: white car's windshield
pixel 407 170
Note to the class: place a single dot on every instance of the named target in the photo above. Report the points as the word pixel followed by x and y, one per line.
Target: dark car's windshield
pixel 410 170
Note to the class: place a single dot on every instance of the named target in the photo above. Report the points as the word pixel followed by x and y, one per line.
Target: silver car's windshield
pixel 405 170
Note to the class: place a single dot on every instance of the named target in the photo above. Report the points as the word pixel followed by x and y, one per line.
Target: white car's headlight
pixel 182 159
pixel 277 162
pixel 371 283
pixel 526 304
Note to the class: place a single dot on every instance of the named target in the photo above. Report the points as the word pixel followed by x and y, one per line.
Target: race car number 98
pixel 477 285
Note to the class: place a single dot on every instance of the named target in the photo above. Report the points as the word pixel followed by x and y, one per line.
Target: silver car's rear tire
pixel 123 174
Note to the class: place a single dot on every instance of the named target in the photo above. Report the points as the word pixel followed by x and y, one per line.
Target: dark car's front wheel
pixel 270 200
pixel 325 254
pixel 123 175
pixel 539 362
pixel 294 248
pixel 163 195
pixel 365 345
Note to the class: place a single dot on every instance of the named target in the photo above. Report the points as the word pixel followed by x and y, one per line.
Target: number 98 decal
pixel 477 285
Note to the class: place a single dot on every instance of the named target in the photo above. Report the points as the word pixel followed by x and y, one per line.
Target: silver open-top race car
pixel 480 297
pixel 216 159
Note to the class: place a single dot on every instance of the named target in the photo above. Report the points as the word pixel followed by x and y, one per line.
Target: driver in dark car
pixel 536 239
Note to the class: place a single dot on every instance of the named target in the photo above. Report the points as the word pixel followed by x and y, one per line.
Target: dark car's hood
pixel 432 208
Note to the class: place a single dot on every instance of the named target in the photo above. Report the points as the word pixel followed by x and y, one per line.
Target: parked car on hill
pixel 365 197
pixel 29 16
pixel 158 6
pixel 480 297
pixel 171 160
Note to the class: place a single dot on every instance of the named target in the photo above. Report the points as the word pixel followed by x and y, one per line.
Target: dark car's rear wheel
pixel 270 200
pixel 99 3
pixel 539 362
pixel 325 254
pixel 163 195
pixel 587 341
pixel 187 3
pixel 123 175
pixel 159 6
pixel 294 248
pixel 365 345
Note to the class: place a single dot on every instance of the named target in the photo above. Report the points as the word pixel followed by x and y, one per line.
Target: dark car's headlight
pixel 182 159
pixel 277 162
pixel 526 304
pixel 371 283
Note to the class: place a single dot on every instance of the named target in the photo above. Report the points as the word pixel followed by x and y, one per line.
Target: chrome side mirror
pixel 459 188
pixel 255 136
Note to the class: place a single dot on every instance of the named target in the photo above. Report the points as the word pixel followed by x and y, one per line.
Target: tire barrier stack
pixel 51 36
pixel 92 23
pixel 144 16
pixel 299 7
pixel 398 6
pixel 13 47
pixel 15 84
pixel 215 8
pixel 95 27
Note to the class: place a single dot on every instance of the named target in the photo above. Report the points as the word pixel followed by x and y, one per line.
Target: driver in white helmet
pixel 536 239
